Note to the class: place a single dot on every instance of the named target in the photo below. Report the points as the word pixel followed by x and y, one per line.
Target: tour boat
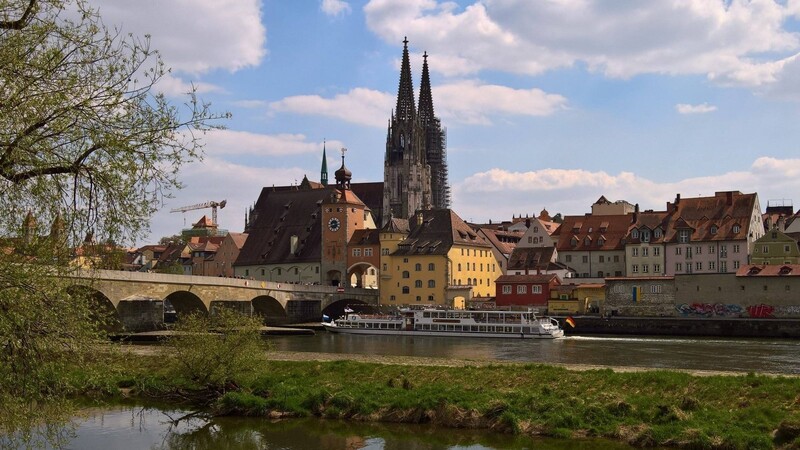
pixel 448 322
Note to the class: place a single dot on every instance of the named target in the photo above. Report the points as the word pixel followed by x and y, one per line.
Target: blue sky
pixel 547 104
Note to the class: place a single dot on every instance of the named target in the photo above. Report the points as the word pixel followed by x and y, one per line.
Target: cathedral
pixel 415 164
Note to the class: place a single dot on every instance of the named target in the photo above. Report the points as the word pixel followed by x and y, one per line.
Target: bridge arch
pixel 186 303
pixel 103 311
pixel 270 310
pixel 336 309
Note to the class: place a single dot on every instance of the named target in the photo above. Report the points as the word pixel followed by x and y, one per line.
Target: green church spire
pixel 324 171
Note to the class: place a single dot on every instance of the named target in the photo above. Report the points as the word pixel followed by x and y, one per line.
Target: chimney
pixel 527 223
pixel 677 199
pixel 635 213
pixel 729 194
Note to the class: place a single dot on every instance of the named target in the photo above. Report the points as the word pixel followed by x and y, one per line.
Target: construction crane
pixel 212 205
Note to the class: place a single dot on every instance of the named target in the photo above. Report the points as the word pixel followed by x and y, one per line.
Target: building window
pixel 635 251
pixel 522 289
pixel 723 266
pixel 678 250
pixel 418 283
pixel 645 251
pixel 296 271
pixel 656 268
pixel 474 281
pixel 736 228
pixel 431 283
pixel 698 250
pixel 698 265
pixel 657 233
pixel 678 267
pixel 406 274
pixel 356 252
pixel 683 236
pixel 247 272
pixel 419 299
pixel 713 229
pixel 530 240
pixel 367 252
pixel 723 251
pixel 602 258
pixel 417 267
pixel 635 268
pixel 536 289
pixel 406 290
pixel 786 249
pixel 655 289
pixel 645 268
pixel 430 298
pixel 392 298
pixel 459 267
pixel 585 259
pixel 385 251
pixel 569 258
pixel 431 267
pixel 710 249
pixel 405 260
pixel 616 258
pixel 645 236
pixel 635 234
pixel 506 289
pixel 735 265
pixel 656 251
pixel 764 249
pixel 385 267
pixel 263 272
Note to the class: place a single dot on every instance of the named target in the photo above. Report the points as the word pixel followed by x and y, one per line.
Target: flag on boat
pixel 325 318
pixel 570 321
pixel 347 310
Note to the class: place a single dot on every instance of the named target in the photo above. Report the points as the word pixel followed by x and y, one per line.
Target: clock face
pixel 334 224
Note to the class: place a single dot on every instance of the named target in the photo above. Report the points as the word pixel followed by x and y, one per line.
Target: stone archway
pixel 334 278
pixel 185 303
pixel 270 310
pixel 362 275
pixel 102 309
pixel 336 309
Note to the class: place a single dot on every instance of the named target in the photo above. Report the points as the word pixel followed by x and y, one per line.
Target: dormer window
pixel 635 234
pixel 736 228
pixel 601 241
pixel 785 270
pixel 587 241
pixel 683 236
pixel 645 235
pixel 714 229
pixel 573 242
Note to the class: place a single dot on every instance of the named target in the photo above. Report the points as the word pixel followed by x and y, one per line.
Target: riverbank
pixel 638 406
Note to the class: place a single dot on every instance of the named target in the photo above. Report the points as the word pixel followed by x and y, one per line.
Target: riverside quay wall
pixel 718 296
pixel 679 326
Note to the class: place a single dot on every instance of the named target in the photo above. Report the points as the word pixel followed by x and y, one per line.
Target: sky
pixel 547 104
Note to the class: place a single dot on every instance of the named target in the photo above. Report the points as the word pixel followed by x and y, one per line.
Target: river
pixel 147 428
pixel 780 356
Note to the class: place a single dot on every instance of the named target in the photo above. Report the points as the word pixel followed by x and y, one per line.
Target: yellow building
pixel 438 261
pixel 577 299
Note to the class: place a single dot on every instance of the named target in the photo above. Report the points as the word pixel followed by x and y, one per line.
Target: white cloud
pixel 572 191
pixel 471 102
pixel 733 42
pixel 334 7
pixel 194 36
pixel 230 142
pixel 685 108
pixel 361 106
pixel 175 87
pixel 466 101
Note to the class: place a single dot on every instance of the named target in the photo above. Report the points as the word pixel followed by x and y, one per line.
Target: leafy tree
pixel 86 142
pixel 216 353
pixel 558 218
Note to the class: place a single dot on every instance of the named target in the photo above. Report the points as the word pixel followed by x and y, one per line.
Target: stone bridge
pixel 138 297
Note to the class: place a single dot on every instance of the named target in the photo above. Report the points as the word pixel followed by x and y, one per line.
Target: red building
pixel 525 290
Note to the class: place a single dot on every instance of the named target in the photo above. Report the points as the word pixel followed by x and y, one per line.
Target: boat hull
pixel 347 330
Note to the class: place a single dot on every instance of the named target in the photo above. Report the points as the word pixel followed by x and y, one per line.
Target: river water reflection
pixel 737 355
pixel 135 428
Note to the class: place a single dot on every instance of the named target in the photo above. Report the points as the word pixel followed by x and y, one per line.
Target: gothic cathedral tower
pixel 435 142
pixel 407 176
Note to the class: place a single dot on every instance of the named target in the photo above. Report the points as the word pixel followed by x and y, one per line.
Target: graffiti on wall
pixel 760 311
pixel 709 309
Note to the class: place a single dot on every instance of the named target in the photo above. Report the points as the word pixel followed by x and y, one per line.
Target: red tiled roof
pixel 533 278
pixel 612 229
pixel 769 270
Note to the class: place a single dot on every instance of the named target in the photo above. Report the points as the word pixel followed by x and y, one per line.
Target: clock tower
pixel 342 214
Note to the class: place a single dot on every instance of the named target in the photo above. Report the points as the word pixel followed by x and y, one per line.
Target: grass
pixel 642 408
